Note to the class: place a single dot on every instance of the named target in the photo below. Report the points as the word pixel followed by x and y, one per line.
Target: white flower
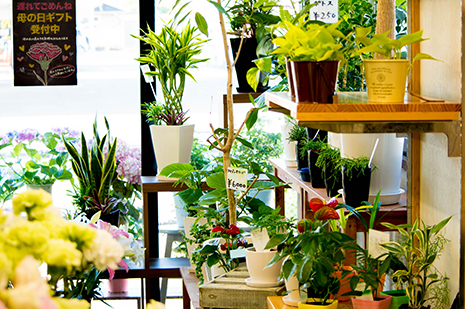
pixel 104 251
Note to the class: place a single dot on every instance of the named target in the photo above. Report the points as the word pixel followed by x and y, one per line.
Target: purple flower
pixel 27 135
pixel 129 162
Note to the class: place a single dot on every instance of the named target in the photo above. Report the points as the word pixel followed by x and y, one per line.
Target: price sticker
pixel 237 179
pixel 325 10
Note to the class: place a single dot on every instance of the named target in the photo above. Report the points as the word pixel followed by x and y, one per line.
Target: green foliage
pixel 297 133
pixel 419 248
pixel 355 166
pixel 369 270
pixel 310 42
pixel 314 255
pixel 172 54
pixel 201 154
pixel 258 146
pixel 95 173
pixel 354 13
pixel 388 48
pixel 263 216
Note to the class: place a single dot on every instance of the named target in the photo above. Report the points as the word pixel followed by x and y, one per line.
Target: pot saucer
pixel 290 302
pixel 249 282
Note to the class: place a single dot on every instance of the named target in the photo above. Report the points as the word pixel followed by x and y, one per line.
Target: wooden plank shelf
pixel 354 106
pixel 353 113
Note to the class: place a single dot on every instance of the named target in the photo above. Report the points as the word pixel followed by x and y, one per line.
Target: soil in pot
pixel 316 173
pixel 245 62
pixel 356 188
pixel 314 304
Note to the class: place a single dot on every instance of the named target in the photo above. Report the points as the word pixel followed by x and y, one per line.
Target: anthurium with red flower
pixel 324 210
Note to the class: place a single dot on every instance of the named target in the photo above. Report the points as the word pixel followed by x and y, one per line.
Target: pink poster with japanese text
pixel 44 42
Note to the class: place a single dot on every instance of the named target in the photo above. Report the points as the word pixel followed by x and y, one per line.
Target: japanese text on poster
pixel 44 45
pixel 325 10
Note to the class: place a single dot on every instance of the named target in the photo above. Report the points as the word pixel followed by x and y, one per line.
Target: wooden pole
pixel 386 17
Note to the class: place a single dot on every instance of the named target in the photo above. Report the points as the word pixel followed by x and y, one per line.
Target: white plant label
pixel 375 238
pixel 260 238
pixel 145 68
pixel 237 179
pixel 237 253
pixel 325 10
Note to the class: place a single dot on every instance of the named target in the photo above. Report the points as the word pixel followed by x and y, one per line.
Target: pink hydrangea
pixel 129 162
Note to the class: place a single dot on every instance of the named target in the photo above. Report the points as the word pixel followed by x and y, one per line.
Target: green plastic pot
pixel 399 298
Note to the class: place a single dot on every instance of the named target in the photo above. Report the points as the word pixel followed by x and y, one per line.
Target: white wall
pixel 441 175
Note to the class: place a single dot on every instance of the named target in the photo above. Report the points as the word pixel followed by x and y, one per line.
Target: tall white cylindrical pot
pixel 289 147
pixel 172 144
pixel 388 159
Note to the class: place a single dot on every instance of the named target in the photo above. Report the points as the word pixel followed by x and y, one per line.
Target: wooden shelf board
pixel 354 106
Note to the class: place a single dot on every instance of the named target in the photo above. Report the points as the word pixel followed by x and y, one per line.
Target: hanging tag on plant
pixel 260 238
pixel 237 179
pixel 325 10
pixel 375 238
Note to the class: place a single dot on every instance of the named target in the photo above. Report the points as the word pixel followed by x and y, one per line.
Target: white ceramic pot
pixel 181 213
pixel 260 275
pixel 172 144
pixel 289 147
pixel 293 297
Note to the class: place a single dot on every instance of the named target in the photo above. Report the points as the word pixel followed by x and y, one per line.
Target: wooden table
pixel 276 302
pixel 190 289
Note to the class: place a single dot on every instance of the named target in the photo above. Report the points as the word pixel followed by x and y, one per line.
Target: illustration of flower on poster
pixel 44 42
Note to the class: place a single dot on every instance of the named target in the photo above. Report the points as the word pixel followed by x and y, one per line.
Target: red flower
pixel 225 246
pixel 218 229
pixel 233 230
pixel 325 213
pixel 317 203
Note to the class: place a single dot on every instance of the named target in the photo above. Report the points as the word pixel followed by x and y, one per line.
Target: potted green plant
pixel 173 55
pixel 356 176
pixel 315 254
pixel 312 149
pixel 419 248
pixel 314 51
pixel 265 222
pixel 386 76
pixel 36 159
pixel 298 135
pixel 328 162
pixel 371 272
pixel 95 173
pixel 248 21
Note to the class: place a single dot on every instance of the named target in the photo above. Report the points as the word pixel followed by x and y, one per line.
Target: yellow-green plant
pixel 172 54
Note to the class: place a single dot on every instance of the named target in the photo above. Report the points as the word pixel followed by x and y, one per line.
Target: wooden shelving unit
pixel 353 113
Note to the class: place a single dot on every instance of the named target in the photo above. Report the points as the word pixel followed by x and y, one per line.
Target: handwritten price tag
pixel 326 11
pixel 374 239
pixel 237 178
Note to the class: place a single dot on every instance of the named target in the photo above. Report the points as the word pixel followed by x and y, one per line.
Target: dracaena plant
pixel 387 48
pixel 173 54
pixel 96 171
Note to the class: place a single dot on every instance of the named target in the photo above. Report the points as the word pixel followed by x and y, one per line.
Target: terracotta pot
pixel 345 284
pixel 313 304
pixel 383 303
pixel 118 285
pixel 314 82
